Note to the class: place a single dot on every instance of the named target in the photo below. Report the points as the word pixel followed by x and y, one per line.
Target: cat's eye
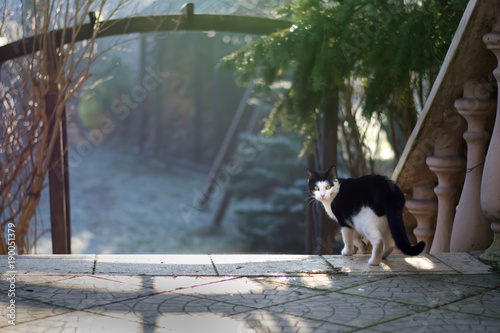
pixel 316 188
pixel 328 187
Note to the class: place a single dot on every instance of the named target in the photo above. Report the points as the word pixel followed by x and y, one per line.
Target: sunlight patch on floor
pixel 420 263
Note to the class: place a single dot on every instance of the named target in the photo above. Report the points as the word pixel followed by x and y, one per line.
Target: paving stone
pixel 486 304
pixel 78 321
pixel 82 292
pixel 269 321
pixel 476 280
pixel 394 264
pixel 148 309
pixel 28 281
pixel 50 264
pixel 440 321
pixel 346 309
pixel 463 263
pixel 169 283
pixel 155 265
pixel 252 292
pixel 116 322
pixel 26 310
pixel 414 290
pixel 260 264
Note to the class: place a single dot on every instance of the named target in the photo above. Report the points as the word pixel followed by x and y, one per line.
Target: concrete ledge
pixel 463 263
pixel 240 265
pixel 154 264
pixel 50 264
pixel 263 264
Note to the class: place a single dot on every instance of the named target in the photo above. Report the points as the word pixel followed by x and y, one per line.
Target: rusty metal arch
pixel 185 21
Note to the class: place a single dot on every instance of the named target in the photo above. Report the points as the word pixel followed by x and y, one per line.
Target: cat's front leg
pixel 347 237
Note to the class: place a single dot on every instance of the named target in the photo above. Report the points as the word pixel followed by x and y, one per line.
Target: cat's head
pixel 323 185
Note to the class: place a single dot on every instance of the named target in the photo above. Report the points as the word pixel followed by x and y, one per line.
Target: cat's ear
pixel 310 174
pixel 332 172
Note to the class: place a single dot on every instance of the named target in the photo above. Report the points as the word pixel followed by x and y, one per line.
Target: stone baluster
pixel 423 205
pixel 471 227
pixel 449 167
pixel 490 186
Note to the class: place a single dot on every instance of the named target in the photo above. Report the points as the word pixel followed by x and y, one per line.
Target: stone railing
pixel 450 169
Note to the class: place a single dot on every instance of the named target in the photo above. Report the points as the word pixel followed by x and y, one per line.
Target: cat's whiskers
pixel 310 200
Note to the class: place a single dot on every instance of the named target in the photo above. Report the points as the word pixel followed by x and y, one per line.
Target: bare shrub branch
pixel 29 130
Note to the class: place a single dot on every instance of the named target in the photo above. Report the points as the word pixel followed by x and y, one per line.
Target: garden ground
pixel 124 203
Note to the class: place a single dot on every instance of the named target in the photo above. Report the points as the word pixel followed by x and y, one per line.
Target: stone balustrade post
pixel 423 205
pixel 490 186
pixel 449 167
pixel 471 229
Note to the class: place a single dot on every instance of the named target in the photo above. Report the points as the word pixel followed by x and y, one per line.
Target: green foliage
pixel 271 194
pixel 391 45
pixel 408 46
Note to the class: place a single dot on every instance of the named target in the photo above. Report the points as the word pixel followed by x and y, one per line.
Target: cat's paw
pixel 347 251
pixel 374 261
pixel 387 252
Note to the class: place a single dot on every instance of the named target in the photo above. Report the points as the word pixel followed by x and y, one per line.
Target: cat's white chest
pixel 328 209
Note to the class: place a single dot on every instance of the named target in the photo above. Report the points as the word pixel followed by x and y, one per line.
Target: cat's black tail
pixel 394 212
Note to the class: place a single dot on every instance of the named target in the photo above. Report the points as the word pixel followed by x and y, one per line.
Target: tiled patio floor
pixel 249 293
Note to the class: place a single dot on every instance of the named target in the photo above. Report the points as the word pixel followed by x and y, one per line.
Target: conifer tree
pixel 394 48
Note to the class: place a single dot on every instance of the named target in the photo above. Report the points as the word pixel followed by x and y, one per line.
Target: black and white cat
pixel 370 206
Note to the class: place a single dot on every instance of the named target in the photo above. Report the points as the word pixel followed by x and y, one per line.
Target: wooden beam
pixel 58 170
pixel 226 199
pixel 59 182
pixel 188 10
pixel 225 148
